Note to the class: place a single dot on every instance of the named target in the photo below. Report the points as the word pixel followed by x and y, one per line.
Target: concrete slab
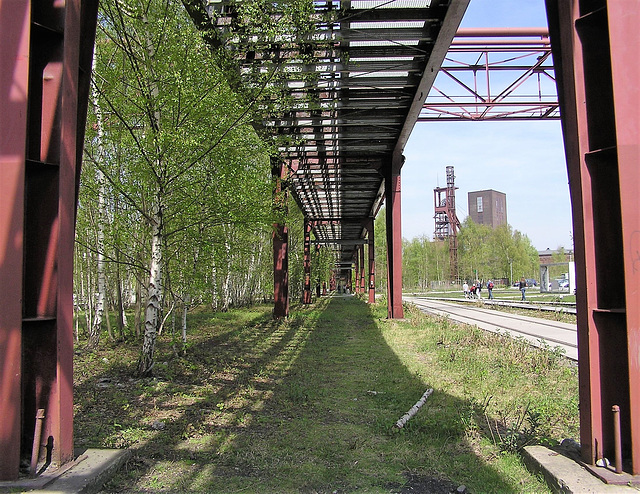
pixel 85 475
pixel 564 475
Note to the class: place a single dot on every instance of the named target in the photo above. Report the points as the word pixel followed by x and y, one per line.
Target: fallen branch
pixel 414 409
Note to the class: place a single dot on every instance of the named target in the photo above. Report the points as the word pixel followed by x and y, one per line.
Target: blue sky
pixel 525 160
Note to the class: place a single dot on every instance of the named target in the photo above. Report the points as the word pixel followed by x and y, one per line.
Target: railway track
pixel 565 307
pixel 538 332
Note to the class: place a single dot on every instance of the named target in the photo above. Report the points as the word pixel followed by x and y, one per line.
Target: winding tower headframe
pixel 446 219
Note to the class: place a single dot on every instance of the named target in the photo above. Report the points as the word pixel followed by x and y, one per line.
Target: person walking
pixel 465 289
pixel 490 289
pixel 479 288
pixel 523 288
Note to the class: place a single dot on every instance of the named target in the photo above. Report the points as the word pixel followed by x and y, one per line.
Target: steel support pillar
pixel 280 243
pixel 361 285
pixel 372 262
pixel 15 27
pixel 595 48
pixel 306 292
pixel 394 238
pixel 45 53
pixel 356 267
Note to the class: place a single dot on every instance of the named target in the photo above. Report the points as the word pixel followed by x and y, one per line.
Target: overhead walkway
pixel 352 95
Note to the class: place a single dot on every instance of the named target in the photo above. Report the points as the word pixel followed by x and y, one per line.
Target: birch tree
pixel 190 162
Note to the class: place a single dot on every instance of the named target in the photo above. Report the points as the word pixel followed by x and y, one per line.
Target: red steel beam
pixel 372 262
pixel 504 32
pixel 280 244
pixel 624 19
pixel 394 238
pixel 595 50
pixel 47 47
pixel 15 23
pixel 519 59
pixel 306 292
pixel 362 276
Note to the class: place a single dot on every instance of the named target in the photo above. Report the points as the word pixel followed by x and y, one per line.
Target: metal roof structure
pixel 355 85
pixel 495 74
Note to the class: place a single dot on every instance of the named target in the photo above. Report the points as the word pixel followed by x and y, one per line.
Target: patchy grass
pixel 308 405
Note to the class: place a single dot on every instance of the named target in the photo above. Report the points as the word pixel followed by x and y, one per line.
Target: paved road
pixel 532 329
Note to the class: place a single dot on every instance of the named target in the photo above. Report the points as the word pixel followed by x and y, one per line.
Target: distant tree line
pixel 483 253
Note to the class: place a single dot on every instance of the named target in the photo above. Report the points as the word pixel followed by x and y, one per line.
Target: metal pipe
pixel 35 449
pixel 541 44
pixel 617 439
pixel 484 32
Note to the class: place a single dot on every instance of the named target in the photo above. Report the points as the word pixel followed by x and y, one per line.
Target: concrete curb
pixel 563 475
pixel 86 475
pixel 90 474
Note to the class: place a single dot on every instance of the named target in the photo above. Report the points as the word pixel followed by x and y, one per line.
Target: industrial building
pixel 488 207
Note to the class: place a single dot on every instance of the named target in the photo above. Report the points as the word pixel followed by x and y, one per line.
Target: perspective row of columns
pixel 394 246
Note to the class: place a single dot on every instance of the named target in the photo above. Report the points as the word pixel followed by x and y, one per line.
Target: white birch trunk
pixel 214 280
pixel 214 285
pixel 187 301
pixel 154 301
pixel 226 285
pixel 152 312
pixel 187 296
pixel 245 288
pixel 96 327
pixel 89 311
pixel 414 409
pixel 138 314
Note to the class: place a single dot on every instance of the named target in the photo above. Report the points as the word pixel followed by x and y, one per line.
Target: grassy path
pixel 308 405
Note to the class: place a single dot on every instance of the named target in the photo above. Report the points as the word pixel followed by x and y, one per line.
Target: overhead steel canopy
pixel 495 74
pixel 355 85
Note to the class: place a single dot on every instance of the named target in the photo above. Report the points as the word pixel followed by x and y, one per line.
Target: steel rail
pixel 421 304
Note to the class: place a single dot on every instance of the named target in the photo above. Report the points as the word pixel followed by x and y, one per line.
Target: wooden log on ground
pixel 414 409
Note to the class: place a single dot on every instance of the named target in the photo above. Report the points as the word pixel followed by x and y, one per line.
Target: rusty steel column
pixel 306 292
pixel 350 279
pixel 15 23
pixel 280 243
pixel 372 263
pixel 356 268
pixel 359 268
pixel 394 238
pixel 362 270
pixel 624 19
pixel 48 48
pixel 595 46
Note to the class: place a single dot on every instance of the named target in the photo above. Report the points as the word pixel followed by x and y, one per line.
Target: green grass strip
pixel 309 404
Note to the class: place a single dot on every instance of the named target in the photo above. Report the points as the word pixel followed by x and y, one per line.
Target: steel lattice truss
pixel 495 74
pixel 353 85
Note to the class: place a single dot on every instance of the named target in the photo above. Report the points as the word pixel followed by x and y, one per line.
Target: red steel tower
pixel 446 220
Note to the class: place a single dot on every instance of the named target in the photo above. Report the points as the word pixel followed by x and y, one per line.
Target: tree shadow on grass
pixel 304 405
